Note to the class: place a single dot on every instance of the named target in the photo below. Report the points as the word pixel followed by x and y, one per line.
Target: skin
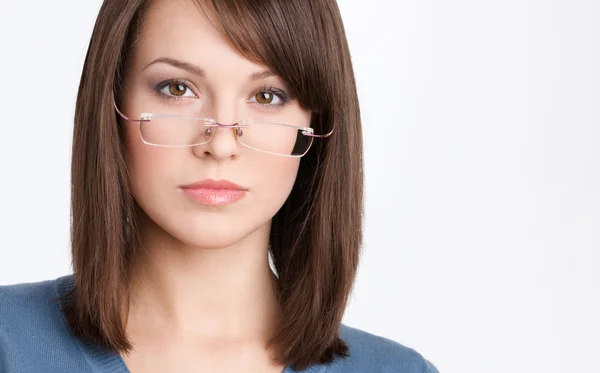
pixel 202 298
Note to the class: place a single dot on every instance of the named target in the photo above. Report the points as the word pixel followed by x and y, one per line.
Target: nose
pixel 223 143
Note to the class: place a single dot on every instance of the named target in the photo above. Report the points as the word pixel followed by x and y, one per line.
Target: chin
pixel 211 241
pixel 213 233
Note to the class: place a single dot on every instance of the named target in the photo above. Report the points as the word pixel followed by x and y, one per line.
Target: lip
pixel 213 184
pixel 211 192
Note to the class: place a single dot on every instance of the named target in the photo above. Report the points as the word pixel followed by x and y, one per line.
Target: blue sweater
pixel 34 338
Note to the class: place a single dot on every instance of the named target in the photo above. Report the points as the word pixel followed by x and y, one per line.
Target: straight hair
pixel 316 237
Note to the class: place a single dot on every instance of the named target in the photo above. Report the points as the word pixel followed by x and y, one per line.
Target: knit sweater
pixel 34 338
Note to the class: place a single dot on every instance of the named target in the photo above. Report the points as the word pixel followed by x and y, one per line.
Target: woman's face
pixel 222 85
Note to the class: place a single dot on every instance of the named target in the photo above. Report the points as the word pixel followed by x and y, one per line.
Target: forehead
pixel 178 29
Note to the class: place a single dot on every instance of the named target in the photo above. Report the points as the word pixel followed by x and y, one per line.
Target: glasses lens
pixel 176 131
pixel 273 138
pixel 279 139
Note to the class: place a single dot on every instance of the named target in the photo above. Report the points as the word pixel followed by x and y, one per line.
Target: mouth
pixel 211 192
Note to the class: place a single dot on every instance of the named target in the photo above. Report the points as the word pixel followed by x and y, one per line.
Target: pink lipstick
pixel 214 192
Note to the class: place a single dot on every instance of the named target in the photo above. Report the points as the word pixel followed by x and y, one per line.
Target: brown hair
pixel 315 237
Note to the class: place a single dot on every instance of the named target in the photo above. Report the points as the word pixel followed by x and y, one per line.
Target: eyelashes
pixel 163 91
pixel 170 83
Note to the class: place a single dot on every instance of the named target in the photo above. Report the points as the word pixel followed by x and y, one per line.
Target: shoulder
pixel 31 305
pixel 25 302
pixel 30 322
pixel 369 353
pixel 34 336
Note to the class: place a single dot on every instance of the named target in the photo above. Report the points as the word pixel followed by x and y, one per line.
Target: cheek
pixel 275 180
pixel 151 168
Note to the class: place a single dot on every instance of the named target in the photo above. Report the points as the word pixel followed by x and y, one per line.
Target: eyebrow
pixel 199 71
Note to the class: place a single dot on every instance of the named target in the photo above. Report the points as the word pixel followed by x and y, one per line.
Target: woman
pixel 209 138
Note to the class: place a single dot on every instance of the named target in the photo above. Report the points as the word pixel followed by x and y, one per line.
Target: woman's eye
pixel 266 98
pixel 177 90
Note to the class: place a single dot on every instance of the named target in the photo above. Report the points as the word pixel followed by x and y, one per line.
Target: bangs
pixel 281 35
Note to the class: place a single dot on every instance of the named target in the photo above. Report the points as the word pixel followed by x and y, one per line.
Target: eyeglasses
pixel 175 131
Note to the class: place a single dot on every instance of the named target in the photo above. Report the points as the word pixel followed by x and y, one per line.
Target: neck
pixel 224 294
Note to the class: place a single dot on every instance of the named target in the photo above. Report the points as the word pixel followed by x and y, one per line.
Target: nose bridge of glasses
pixel 240 124
pixel 220 130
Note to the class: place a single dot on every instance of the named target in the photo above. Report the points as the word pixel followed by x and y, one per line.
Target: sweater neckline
pixel 106 361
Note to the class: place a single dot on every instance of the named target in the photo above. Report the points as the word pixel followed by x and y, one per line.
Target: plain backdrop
pixel 481 127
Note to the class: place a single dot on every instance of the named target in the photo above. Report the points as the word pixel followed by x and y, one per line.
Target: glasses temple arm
pixel 119 111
